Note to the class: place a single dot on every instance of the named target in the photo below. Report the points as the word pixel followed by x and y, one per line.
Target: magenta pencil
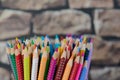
pixel 52 68
pixel 79 71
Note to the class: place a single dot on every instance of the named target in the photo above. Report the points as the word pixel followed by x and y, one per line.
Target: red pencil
pixel 75 68
pixel 19 64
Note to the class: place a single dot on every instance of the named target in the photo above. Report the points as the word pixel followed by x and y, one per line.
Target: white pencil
pixel 34 65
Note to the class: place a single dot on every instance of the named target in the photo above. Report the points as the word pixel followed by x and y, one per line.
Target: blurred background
pixel 99 19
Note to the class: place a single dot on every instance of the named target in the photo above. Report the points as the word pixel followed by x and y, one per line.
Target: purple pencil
pixel 90 47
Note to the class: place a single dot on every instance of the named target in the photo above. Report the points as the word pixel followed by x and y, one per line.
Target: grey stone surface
pixel 3 54
pixel 118 2
pixel 106 52
pixel 107 73
pixel 4 74
pixel 62 22
pixel 91 3
pixel 33 4
pixel 14 23
pixel 107 22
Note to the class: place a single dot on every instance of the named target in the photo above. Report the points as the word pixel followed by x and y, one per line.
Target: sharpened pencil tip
pixel 16 39
pixel 56 37
pixel 7 44
pixel 42 38
pixel 36 50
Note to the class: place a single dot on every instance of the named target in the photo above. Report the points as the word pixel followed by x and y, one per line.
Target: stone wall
pixel 98 18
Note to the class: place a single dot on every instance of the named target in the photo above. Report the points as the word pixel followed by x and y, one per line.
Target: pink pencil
pixel 81 63
pixel 79 70
pixel 53 64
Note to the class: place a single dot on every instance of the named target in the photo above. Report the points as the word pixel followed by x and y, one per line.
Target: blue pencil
pixel 84 72
pixel 85 68
pixel 51 50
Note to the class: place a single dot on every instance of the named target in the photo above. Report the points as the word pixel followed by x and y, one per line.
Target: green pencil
pixel 13 63
pixel 46 70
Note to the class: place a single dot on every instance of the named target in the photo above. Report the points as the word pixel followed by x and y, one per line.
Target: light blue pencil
pixel 84 72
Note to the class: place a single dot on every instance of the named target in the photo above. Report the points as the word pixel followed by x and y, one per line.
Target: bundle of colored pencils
pixel 41 59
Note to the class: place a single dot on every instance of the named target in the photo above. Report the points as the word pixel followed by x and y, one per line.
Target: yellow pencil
pixel 26 63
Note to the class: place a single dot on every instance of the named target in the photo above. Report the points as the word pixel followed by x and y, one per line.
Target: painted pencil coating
pixel 52 68
pixel 26 68
pixel 40 58
pixel 61 66
pixel 75 68
pixel 68 69
pixel 42 66
pixel 34 69
pixel 84 71
pixel 19 64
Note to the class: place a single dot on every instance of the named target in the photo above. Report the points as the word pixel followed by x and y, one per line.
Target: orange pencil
pixel 68 68
pixel 43 65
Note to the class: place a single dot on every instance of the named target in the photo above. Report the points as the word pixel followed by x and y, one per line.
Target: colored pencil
pixel 53 64
pixel 26 65
pixel 48 61
pixel 35 65
pixel 91 50
pixel 68 52
pixel 30 53
pixel 61 66
pixel 57 42
pixel 68 69
pixel 75 68
pixel 84 72
pixel 39 58
pixel 11 58
pixel 43 65
pixel 19 64
pixel 82 52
